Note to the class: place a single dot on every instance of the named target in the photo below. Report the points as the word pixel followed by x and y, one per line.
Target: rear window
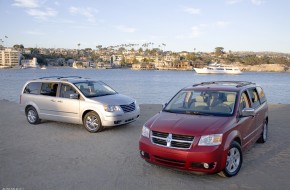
pixel 261 94
pixel 32 88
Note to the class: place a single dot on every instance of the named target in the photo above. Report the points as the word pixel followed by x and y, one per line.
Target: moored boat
pixel 216 68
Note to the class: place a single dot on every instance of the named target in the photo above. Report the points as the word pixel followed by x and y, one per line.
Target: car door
pixel 68 104
pixel 259 112
pixel 46 101
pixel 246 124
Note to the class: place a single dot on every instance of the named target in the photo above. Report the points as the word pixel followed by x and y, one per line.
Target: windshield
pixel 94 89
pixel 205 102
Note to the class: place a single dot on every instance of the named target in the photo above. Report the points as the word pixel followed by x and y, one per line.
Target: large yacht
pixel 216 68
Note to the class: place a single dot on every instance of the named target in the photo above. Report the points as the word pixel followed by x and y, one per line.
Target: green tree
pixel 134 61
pixel 190 57
pixel 123 61
pixel 219 51
pixel 99 47
pixel 140 50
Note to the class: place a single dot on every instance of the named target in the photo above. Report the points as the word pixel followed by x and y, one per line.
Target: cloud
pixel 42 14
pixel 126 29
pixel 194 33
pixel 26 3
pixel 231 2
pixel 258 2
pixel 199 30
pixel 36 8
pixel 191 10
pixel 221 24
pixel 87 12
pixel 35 33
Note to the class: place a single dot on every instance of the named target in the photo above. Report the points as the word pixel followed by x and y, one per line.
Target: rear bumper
pixel 191 159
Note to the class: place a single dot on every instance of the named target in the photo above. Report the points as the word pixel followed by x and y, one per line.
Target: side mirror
pixel 164 105
pixel 246 112
pixel 74 96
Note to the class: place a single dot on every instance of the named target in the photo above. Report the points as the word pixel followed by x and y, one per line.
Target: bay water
pixel 147 87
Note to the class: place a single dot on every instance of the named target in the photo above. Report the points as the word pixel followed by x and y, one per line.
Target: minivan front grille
pixel 128 108
pixel 171 140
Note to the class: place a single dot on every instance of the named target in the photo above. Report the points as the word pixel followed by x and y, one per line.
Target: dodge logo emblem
pixel 168 140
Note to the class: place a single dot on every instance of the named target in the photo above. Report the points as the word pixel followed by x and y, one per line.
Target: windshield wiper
pixel 196 113
pixel 171 111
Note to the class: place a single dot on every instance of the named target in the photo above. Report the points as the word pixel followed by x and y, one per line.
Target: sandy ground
pixel 55 155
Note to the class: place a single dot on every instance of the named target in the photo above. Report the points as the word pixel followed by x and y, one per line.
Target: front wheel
pixel 92 122
pixel 32 116
pixel 234 160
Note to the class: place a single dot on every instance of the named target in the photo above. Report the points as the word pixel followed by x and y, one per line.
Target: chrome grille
pixel 171 140
pixel 128 108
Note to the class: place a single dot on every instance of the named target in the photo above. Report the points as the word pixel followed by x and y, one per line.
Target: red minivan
pixel 207 127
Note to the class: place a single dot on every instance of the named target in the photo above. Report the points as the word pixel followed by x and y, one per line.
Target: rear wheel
pixel 92 122
pixel 32 116
pixel 264 136
pixel 234 160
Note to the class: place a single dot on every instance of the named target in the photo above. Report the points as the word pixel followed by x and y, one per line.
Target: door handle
pixel 52 100
pixel 59 101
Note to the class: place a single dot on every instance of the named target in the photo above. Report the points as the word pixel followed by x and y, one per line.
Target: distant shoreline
pixel 243 68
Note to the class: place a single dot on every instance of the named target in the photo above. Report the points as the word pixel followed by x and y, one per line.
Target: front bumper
pixel 120 119
pixel 210 159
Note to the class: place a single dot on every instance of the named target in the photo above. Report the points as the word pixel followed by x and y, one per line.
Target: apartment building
pixel 9 58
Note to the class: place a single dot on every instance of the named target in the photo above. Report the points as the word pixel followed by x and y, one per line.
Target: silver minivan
pixel 77 100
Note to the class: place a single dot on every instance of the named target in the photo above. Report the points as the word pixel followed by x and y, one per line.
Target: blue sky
pixel 183 25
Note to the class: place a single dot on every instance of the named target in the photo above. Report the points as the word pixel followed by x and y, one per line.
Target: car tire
pixel 264 135
pixel 234 161
pixel 32 116
pixel 92 122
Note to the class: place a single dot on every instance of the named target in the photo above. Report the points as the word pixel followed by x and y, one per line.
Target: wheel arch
pixel 231 137
pixel 89 110
pixel 32 105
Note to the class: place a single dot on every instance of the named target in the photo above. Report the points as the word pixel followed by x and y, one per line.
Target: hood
pixel 115 99
pixel 187 124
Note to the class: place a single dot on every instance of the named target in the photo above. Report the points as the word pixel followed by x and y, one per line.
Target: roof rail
pixel 49 77
pixel 66 77
pixel 236 83
pixel 60 77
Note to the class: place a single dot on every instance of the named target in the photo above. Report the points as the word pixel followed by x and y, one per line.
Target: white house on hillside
pixel 29 63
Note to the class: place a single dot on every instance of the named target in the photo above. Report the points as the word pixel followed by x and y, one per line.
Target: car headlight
pixel 112 108
pixel 145 132
pixel 210 140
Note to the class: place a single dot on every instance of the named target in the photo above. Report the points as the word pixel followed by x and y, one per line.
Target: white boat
pixel 216 68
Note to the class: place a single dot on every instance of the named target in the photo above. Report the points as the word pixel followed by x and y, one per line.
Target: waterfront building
pixel 116 60
pixel 143 66
pixel 29 63
pixel 9 58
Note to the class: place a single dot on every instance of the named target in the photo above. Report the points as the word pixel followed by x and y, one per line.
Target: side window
pixel 49 89
pixel 66 90
pixel 244 101
pixel 254 98
pixel 32 88
pixel 261 94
